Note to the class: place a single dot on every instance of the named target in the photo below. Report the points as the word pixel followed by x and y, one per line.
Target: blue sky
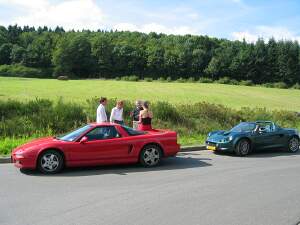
pixel 231 19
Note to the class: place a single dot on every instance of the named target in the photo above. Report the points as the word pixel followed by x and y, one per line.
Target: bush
pixel 234 82
pixel 268 85
pixel 280 85
pixel 125 78
pixel 17 70
pixel 191 80
pixel 148 79
pixel 133 78
pixel 117 78
pixel 169 79
pixel 296 86
pixel 130 78
pixel 223 80
pixel 205 80
pixel 161 79
pixel 39 115
pixel 166 112
pixel 181 80
pixel 7 144
pixel 246 82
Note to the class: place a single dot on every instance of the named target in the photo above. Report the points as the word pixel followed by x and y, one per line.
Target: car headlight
pixel 209 134
pixel 19 154
pixel 227 139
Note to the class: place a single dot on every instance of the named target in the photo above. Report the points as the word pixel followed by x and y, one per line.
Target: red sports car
pixel 96 144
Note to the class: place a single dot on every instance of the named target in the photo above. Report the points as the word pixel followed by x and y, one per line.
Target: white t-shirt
pixel 101 114
pixel 116 114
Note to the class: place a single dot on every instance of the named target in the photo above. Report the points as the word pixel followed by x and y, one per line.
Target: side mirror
pixel 83 140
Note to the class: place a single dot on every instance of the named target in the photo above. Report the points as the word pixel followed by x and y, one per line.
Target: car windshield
pixel 243 127
pixel 133 132
pixel 74 134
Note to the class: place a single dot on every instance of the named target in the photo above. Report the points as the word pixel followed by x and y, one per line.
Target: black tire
pixel 150 155
pixel 243 147
pixel 50 162
pixel 293 144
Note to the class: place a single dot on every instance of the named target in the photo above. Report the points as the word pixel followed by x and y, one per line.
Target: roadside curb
pixel 182 149
pixel 5 160
pixel 192 148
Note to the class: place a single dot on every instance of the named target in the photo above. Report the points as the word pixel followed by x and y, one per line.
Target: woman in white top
pixel 101 113
pixel 116 115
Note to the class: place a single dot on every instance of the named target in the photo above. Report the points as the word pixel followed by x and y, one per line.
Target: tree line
pixel 110 54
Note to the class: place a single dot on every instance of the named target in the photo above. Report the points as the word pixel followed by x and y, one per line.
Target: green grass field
pixel 23 89
pixel 80 90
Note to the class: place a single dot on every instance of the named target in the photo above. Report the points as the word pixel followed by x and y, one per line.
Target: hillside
pixel 80 90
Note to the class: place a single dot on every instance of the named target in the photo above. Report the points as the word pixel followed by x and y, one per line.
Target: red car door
pixel 104 144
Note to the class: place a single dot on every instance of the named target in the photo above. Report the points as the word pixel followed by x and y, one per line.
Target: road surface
pixel 193 188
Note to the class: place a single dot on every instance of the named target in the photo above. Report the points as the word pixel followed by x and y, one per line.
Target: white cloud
pixel 86 14
pixel 155 27
pixel 266 32
pixel 73 14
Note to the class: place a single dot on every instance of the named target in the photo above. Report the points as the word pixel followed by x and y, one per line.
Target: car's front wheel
pixel 50 162
pixel 150 156
pixel 242 147
pixel 293 145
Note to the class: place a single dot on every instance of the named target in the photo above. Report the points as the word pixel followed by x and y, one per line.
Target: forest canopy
pixel 110 54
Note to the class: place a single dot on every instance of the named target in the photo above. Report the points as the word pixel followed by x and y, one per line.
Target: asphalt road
pixel 193 188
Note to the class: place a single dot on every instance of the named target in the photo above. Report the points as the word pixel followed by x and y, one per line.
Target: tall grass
pixel 21 121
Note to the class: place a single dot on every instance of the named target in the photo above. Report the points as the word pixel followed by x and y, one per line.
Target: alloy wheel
pixel 244 147
pixel 151 156
pixel 294 144
pixel 50 162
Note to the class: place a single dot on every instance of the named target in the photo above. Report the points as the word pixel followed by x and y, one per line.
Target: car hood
pixel 36 142
pixel 217 136
pixel 291 130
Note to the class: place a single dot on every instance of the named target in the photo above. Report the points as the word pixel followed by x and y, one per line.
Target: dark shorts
pixel 119 122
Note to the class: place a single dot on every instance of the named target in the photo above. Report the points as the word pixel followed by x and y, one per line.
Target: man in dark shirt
pixel 135 114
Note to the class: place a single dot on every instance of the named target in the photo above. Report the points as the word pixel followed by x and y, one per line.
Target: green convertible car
pixel 246 136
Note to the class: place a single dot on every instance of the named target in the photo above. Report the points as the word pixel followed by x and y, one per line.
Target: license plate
pixel 209 147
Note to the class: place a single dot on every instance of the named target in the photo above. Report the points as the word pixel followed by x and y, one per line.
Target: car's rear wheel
pixel 50 162
pixel 293 145
pixel 150 156
pixel 242 147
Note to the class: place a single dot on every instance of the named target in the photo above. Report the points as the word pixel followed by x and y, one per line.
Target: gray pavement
pixel 193 188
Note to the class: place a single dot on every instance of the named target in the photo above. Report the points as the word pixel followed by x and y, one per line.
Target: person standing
pixel 116 115
pixel 135 113
pixel 101 113
pixel 145 118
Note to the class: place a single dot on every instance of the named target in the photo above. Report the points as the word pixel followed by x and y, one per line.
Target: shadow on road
pixel 265 153
pixel 173 163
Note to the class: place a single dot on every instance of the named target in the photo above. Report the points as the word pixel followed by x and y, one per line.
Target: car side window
pixel 268 127
pixel 102 133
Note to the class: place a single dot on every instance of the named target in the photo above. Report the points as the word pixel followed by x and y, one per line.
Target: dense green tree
pixel 5 51
pixel 13 33
pixel 73 57
pixel 219 66
pixel 102 49
pixel 39 51
pixel 3 35
pixel 17 54
pixel 155 61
